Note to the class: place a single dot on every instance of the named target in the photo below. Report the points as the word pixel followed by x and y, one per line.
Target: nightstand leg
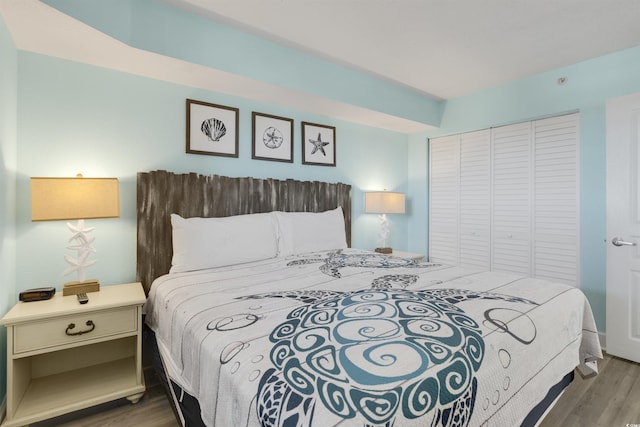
pixel 135 398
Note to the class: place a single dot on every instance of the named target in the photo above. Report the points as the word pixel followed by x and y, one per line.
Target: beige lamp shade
pixel 384 202
pixel 74 198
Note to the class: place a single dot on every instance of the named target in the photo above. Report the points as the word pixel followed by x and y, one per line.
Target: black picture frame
pixel 272 138
pixel 212 129
pixel 318 144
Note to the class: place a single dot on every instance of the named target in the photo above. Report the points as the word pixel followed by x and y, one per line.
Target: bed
pixel 264 316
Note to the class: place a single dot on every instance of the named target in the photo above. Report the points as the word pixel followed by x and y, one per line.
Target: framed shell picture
pixel 272 138
pixel 212 129
pixel 318 144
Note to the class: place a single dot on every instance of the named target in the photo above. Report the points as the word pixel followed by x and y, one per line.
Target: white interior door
pixel 623 227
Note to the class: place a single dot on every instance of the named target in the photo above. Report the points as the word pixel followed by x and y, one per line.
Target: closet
pixel 507 199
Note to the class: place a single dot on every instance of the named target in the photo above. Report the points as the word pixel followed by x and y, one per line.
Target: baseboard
pixel 603 340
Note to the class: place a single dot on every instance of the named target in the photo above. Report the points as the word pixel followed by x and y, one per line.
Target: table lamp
pixel 383 203
pixel 78 198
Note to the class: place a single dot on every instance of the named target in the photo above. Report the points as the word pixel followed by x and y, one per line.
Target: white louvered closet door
pixel 511 226
pixel 556 228
pixel 475 199
pixel 444 154
pixel 507 199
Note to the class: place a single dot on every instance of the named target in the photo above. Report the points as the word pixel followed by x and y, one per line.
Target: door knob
pixel 616 241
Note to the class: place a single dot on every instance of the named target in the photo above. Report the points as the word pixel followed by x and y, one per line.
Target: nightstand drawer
pixel 72 329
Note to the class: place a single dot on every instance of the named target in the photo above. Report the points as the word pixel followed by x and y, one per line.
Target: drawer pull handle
pixel 89 323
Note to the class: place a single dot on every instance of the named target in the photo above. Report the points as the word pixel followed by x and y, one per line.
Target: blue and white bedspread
pixel 354 338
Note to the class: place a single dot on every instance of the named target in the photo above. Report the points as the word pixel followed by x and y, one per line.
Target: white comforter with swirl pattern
pixel 353 338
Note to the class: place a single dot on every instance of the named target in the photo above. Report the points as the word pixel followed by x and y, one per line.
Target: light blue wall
pixel 74 118
pixel 418 177
pixel 589 85
pixel 8 164
pixel 158 27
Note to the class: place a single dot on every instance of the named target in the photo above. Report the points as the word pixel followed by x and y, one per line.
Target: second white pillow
pixel 301 232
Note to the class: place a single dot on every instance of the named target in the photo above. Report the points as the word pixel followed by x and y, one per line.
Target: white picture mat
pixel 311 132
pixel 198 141
pixel 284 151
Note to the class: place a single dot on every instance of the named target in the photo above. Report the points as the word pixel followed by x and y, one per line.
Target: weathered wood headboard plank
pixel 161 193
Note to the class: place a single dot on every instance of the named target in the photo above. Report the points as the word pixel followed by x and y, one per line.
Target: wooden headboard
pixel 161 193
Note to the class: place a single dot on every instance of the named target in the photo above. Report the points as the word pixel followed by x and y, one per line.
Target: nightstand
pixel 63 356
pixel 410 255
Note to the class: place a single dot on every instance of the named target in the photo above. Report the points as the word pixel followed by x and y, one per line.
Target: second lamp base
pixel 384 250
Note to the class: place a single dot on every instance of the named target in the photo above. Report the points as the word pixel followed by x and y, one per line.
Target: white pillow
pixel 301 232
pixel 201 243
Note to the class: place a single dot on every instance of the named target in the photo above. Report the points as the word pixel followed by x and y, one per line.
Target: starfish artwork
pixel 318 145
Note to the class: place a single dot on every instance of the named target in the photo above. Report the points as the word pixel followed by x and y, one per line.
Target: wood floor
pixel 611 399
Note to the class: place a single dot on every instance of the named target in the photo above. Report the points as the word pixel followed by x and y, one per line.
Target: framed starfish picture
pixel 318 144
pixel 272 138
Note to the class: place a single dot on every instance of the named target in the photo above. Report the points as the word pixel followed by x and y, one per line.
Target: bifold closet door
pixel 556 227
pixel 460 207
pixel 511 195
pixel 444 188
pixel 475 199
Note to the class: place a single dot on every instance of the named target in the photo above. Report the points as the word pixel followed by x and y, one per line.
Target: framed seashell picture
pixel 212 129
pixel 318 144
pixel 272 138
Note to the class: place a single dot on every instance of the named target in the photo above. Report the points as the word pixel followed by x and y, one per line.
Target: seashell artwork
pixel 214 129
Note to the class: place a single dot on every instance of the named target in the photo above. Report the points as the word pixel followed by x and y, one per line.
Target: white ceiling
pixel 443 48
pixel 36 27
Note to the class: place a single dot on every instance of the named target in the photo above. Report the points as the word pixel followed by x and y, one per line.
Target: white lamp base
pixel 82 246
pixel 383 235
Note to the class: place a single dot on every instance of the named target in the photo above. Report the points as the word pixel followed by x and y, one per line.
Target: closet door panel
pixel 511 221
pixel 556 226
pixel 475 199
pixel 444 187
